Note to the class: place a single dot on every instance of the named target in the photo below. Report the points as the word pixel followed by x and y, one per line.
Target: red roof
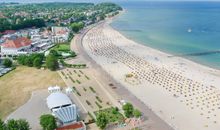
pixel 62 32
pixel 17 43
pixel 9 31
pixel 72 127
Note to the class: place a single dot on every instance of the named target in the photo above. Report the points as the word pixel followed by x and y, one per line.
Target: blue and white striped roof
pixel 66 114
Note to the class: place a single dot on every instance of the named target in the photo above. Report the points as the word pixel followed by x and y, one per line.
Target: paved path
pixel 33 109
pixel 156 123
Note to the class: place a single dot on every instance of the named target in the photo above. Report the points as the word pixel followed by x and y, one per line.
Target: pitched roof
pixel 74 126
pixel 9 32
pixel 17 43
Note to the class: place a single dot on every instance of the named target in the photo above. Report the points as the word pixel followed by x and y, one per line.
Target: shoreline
pixel 167 53
pixel 209 68
pixel 153 121
pixel 204 65
pixel 151 95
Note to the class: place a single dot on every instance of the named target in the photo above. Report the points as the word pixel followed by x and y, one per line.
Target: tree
pixel 21 59
pixel 51 62
pixel 136 113
pixel 37 63
pixel 54 52
pixel 17 124
pixel 34 59
pixel 77 26
pixel 2 125
pixel 7 62
pixel 28 61
pixel 48 122
pixel 101 120
pixel 128 110
pixel 23 124
pixel 114 110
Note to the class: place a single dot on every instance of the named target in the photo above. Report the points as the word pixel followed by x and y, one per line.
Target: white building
pixel 15 47
pixel 62 107
pixel 60 34
pixel 59 38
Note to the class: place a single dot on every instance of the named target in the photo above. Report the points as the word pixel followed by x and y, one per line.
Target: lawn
pixel 16 87
pixel 62 47
pixel 63 51
pixel 113 115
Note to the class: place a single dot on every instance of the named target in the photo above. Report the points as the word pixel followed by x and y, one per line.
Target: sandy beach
pixel 182 93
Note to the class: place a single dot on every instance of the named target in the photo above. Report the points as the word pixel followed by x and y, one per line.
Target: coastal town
pixel 73 97
pixel 63 66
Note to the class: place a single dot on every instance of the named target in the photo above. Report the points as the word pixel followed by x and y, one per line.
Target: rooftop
pixel 58 99
pixel 17 43
pixel 72 127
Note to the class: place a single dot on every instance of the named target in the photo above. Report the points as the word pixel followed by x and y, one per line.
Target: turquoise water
pixel 174 27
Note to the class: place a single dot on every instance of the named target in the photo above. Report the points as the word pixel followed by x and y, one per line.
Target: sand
pixel 181 92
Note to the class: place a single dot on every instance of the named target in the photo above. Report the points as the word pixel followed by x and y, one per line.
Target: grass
pixel 112 114
pixel 72 79
pixel 87 77
pixel 92 118
pixel 81 72
pixel 78 81
pixel 63 73
pixel 76 91
pixel 17 86
pixel 98 98
pixel 70 73
pixel 92 89
pixel 100 106
pixel 88 103
pixel 61 47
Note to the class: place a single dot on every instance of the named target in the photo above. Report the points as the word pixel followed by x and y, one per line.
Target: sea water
pixel 174 27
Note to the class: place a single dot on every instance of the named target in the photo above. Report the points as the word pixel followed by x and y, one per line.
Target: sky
pixel 35 1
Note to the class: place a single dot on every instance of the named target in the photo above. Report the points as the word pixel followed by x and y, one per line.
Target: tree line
pixel 5 24
pixel 13 124
pixel 47 122
pixel 37 60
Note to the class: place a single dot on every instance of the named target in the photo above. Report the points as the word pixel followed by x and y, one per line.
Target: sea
pixel 187 29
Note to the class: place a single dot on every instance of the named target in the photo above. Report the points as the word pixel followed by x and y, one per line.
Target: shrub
pixel 136 113
pixel 78 81
pixel 102 120
pixel 98 99
pixel 128 110
pixel 51 62
pixel 37 63
pixel 98 105
pixel 17 125
pixel 48 122
pixel 88 103
pixel 2 125
pixel 92 89
pixel 7 62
